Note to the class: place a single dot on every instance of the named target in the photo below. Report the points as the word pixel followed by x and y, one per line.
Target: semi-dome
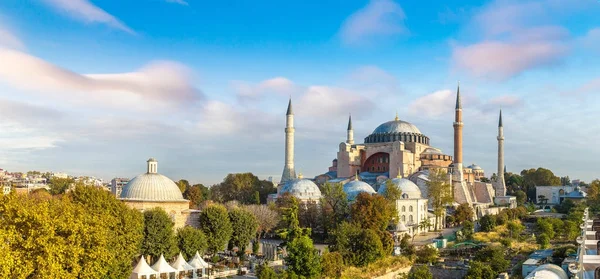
pixel 409 189
pixel 548 271
pixel 432 151
pixel 303 189
pixel 397 130
pixel 355 187
pixel 151 186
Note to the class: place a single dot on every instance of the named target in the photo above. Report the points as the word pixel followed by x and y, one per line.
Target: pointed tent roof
pixel 198 262
pixel 401 227
pixel 180 264
pixel 142 268
pixel 289 110
pixel 500 121
pixel 458 103
pixel 162 266
pixel 350 122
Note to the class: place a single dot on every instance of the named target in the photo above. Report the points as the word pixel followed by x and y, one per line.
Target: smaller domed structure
pixel 409 189
pixel 474 167
pixel 302 189
pixel 548 271
pixel 355 187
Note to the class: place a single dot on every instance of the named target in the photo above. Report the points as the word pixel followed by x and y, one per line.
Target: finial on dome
pixel 152 165
pixel 396 119
pixel 356 178
pixel 300 176
pixel 399 175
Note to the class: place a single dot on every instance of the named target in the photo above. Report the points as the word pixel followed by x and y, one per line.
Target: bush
pixel 494 256
pixel 543 240
pixel 479 270
pixel 506 242
pixel 333 264
pixel 488 222
pixel 264 271
pixel 427 254
pixel 420 272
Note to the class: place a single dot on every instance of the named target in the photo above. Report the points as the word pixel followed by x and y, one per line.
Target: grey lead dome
pixel 151 186
pixel 396 126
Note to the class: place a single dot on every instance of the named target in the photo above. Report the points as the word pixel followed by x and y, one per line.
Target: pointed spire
pixel 500 121
pixel 289 110
pixel 399 175
pixel 356 177
pixel 396 119
pixel 350 122
pixel 458 103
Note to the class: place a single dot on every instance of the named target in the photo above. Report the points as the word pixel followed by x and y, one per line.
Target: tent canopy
pixel 180 264
pixel 197 262
pixel 162 266
pixel 142 268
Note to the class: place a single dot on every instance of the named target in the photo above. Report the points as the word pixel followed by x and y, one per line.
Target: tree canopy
pixel 158 234
pixel 242 187
pixel 214 222
pixel 244 226
pixel 372 211
pixel 191 240
pixel 440 192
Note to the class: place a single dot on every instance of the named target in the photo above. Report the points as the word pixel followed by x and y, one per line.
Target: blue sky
pixel 97 87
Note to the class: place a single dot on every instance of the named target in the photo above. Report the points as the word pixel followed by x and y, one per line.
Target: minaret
pixel 500 185
pixel 458 127
pixel 350 137
pixel 288 170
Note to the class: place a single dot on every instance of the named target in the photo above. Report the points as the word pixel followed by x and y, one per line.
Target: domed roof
pixel 474 167
pixel 432 150
pixel 548 271
pixel 355 187
pixel 396 126
pixel 303 189
pixel 151 186
pixel 409 189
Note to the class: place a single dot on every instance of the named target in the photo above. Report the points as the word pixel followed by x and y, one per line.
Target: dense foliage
pixel 159 238
pixel 244 226
pixel 440 193
pixel 420 272
pixel 214 222
pixel 332 264
pixel 242 187
pixel 191 240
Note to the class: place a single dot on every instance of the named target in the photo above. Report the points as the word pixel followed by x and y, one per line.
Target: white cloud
pixel 378 18
pixel 9 40
pixel 325 101
pixel 180 2
pixel 434 105
pixel 253 92
pixel 85 11
pixel 161 82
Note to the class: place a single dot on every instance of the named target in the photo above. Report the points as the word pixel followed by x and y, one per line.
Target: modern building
pixel 151 189
pixel 554 195
pixel 117 184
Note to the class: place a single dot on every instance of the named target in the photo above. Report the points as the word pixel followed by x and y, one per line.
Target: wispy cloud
pixel 85 11
pixel 378 18
pixel 252 92
pixel 180 2
pixel 8 39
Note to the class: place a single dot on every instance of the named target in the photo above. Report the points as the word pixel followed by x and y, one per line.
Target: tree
pixel 264 271
pixel 334 206
pixel 60 185
pixel 514 228
pixel 467 230
pixel 440 192
pixel 544 226
pixel 521 197
pixel 538 177
pixel 244 226
pixel 543 240
pixel 266 218
pixel 372 211
pixel 309 215
pixel 425 224
pixel 420 272
pixel 158 234
pixel 40 193
pixel 191 240
pixel 463 212
pixel 332 264
pixel 196 194
pixel 303 259
pixel 392 192
pixel 427 254
pixel 487 222
pixel 357 246
pixel 479 270
pixel 241 187
pixel 183 185
pixel 494 256
pixel 214 222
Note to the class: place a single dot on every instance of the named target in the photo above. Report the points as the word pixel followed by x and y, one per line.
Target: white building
pixel 556 194
pixel 117 184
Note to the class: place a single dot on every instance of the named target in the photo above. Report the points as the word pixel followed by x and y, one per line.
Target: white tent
pixel 198 264
pixel 142 269
pixel 180 264
pixel 162 266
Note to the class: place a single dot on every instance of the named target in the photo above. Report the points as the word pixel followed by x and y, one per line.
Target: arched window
pixel 403 208
pixel 410 218
pixel 403 218
pixel 410 208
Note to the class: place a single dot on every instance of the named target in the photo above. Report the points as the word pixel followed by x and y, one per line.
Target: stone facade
pixel 179 212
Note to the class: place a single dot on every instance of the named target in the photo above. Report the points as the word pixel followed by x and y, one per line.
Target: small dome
pixel 396 126
pixel 548 271
pixel 303 189
pixel 355 187
pixel 432 151
pixel 474 167
pixel 409 189
pixel 151 186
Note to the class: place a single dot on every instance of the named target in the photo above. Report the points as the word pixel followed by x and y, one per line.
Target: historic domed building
pixel 151 189
pixel 355 187
pixel 303 189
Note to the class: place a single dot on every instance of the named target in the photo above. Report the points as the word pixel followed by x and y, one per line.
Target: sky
pixel 98 87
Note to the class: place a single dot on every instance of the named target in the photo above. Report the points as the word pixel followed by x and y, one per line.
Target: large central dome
pixel 151 186
pixel 396 126
pixel 397 130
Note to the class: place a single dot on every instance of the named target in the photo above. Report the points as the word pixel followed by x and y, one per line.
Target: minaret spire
pixel 350 132
pixel 461 191
pixel 458 102
pixel 288 170
pixel 500 185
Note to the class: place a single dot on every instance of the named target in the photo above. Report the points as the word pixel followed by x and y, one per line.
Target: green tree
pixel 303 259
pixel 427 254
pixel 488 223
pixel 196 194
pixel 479 270
pixel 467 230
pixel 309 215
pixel 543 240
pixel 545 226
pixel 372 211
pixel 521 197
pixel 334 206
pixel 214 222
pixel 183 185
pixel 191 240
pixel 392 192
pixel 333 264
pixel 420 272
pixel 538 177
pixel 357 246
pixel 244 226
pixel 60 185
pixel 440 193
pixel 264 271
pixel 463 212
pixel 158 234
pixel 494 256
pixel 241 187
pixel 514 228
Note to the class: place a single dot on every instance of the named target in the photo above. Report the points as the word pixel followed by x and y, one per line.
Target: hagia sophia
pixel 398 151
